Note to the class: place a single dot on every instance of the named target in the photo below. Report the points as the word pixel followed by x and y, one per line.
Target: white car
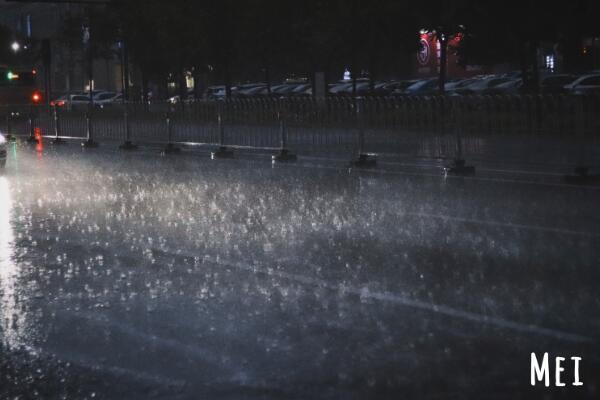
pixel 3 145
pixel 104 99
pixel 72 101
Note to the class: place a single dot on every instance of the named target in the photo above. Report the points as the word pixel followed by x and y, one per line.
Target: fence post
pixel 364 160
pixel 57 139
pixel 222 151
pixel 89 143
pixel 459 166
pixel 582 170
pixel 284 153
pixel 31 124
pixel 9 135
pixel 127 144
pixel 170 148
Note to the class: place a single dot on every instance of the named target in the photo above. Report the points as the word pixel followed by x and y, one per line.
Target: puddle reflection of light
pixel 11 318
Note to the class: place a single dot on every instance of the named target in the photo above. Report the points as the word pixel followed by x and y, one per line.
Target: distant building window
pixel 550 62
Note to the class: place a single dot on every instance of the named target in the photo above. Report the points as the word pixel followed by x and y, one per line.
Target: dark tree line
pixel 229 41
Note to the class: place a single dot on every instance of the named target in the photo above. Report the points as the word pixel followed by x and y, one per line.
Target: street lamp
pixel 15 46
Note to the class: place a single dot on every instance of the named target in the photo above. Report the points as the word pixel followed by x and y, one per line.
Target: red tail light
pixel 36 97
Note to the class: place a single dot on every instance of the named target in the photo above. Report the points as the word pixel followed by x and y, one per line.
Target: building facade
pixel 34 23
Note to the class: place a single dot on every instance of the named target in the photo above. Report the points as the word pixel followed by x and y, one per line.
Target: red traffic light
pixel 36 97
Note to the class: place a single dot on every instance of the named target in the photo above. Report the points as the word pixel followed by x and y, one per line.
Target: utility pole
pixel 124 70
pixel 47 61
pixel 442 38
pixel 354 50
pixel 87 44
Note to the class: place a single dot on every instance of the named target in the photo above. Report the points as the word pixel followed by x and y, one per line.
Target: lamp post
pixel 89 143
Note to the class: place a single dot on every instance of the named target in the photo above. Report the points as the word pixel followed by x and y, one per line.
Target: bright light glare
pixel 15 46
pixel 347 75
pixel 9 307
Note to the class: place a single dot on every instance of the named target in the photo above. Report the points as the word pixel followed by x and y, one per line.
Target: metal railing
pixel 554 129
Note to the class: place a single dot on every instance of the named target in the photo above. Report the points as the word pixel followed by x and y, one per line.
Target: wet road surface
pixel 136 276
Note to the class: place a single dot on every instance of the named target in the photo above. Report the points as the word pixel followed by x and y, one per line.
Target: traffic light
pixel 36 97
pixel 11 76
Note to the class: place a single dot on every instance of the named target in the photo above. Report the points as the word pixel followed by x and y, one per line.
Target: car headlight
pixel 2 140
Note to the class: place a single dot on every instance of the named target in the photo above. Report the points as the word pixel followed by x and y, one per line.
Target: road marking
pixel 503 224
pixel 83 362
pixel 406 302
pixel 171 344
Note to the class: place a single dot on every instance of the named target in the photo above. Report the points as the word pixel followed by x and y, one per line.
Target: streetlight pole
pixel 89 143
pixel 124 70
pixel 47 61
pixel 442 38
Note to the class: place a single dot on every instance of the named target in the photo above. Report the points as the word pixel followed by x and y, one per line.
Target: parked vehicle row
pixel 507 84
pixel 486 84
pixel 81 100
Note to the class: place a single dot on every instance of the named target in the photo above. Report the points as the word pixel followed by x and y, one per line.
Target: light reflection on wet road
pixel 185 277
pixel 9 317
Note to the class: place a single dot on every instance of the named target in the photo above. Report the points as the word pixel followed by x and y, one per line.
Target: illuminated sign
pixel 424 55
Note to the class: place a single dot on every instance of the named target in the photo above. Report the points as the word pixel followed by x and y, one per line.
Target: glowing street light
pixel 15 46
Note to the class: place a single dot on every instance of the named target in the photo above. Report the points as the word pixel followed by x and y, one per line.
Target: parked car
pixel 215 92
pixel 346 87
pixel 77 101
pixel 453 87
pixel 550 84
pixel 249 89
pixel 380 89
pixel 423 87
pixel 484 85
pixel 556 83
pixel 339 89
pixel 586 84
pixel 304 89
pixel 513 86
pixel 282 90
pixel 107 99
pixel 104 95
pixel 399 87
pixel 513 75
pixel 362 88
